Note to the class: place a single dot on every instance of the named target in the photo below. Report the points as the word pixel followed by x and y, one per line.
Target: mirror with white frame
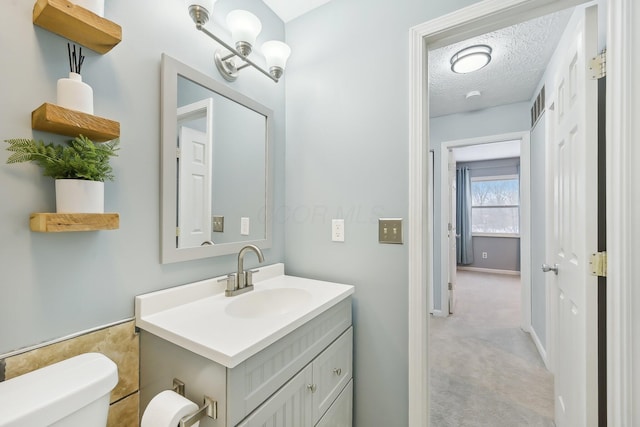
pixel 215 164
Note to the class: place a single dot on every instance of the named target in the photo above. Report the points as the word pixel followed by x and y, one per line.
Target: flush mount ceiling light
pixel 473 94
pixel 471 59
pixel 244 27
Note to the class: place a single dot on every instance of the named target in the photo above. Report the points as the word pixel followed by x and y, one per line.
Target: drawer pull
pixel 312 387
pixel 337 371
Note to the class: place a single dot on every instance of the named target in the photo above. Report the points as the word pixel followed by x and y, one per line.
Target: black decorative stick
pixel 70 65
pixel 75 61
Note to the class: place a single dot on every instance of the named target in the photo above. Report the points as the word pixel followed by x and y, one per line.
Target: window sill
pixel 510 235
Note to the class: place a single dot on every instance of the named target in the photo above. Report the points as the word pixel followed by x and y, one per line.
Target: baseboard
pixel 489 270
pixel 541 350
pixel 438 313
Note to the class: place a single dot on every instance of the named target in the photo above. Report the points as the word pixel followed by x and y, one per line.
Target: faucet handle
pixel 250 274
pixel 231 281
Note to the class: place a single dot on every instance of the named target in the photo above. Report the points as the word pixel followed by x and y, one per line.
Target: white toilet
pixel 71 393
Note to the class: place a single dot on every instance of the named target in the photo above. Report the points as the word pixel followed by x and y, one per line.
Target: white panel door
pixel 194 188
pixel 574 162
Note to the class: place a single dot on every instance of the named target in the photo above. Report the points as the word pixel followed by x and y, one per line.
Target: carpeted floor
pixel 485 371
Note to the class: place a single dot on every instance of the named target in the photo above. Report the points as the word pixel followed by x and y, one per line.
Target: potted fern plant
pixel 80 168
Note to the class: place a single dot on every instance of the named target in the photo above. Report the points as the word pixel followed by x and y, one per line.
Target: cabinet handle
pixel 337 371
pixel 312 387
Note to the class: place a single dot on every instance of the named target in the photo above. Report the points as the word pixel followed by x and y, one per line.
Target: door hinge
pixel 598 264
pixel 178 152
pixel 450 286
pixel 177 231
pixel 598 66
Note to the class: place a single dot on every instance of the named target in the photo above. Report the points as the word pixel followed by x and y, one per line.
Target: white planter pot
pixel 79 196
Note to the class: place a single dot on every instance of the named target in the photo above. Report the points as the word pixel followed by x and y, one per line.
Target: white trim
pixel 489 270
pixel 477 18
pixel 539 346
pixel 430 199
pixel 525 230
pixel 623 233
pixel 418 249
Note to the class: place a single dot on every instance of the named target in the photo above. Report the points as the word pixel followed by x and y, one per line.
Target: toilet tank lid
pixel 43 396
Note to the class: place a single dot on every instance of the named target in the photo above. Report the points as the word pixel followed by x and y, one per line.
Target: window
pixel 495 205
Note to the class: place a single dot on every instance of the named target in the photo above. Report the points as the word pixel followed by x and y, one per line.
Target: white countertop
pixel 194 316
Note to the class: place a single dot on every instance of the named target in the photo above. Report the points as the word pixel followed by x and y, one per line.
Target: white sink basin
pixel 244 324
pixel 268 302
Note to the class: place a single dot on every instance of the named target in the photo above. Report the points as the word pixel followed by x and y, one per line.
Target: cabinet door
pixel 340 414
pixel 331 373
pixel 290 406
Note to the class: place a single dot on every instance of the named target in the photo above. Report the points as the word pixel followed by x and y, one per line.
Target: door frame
pixel 525 221
pixel 623 233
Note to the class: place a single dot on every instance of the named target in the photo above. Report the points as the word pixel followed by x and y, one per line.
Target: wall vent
pixel 538 107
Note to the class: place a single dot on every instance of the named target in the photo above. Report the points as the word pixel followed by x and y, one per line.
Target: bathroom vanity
pixel 280 355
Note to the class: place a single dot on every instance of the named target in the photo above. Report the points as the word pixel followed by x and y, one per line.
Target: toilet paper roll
pixel 166 409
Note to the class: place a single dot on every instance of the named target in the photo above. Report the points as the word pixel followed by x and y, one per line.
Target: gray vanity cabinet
pixel 340 413
pixel 317 393
pixel 301 380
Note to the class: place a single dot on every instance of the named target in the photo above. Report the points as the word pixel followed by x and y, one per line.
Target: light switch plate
pixel 244 226
pixel 217 222
pixel 390 230
pixel 337 230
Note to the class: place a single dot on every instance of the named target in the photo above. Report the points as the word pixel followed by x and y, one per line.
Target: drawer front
pixel 340 414
pixel 290 406
pixel 257 378
pixel 331 373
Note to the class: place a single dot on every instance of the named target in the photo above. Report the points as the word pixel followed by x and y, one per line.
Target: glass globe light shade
pixel 276 53
pixel 244 26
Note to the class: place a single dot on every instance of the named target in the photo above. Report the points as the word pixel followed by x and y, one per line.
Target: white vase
pixel 95 6
pixel 79 196
pixel 74 94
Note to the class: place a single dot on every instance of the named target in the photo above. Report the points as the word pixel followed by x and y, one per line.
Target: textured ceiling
pixel 291 9
pixel 519 58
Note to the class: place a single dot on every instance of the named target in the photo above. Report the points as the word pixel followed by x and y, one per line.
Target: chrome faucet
pixel 242 281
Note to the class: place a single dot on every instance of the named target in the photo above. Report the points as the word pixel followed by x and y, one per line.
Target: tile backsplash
pixel 119 343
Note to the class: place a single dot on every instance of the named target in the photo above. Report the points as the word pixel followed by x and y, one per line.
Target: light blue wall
pixel 538 230
pixel 347 157
pixel 53 285
pixel 490 121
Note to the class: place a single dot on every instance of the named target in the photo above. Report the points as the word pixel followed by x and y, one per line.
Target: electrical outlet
pixel 390 230
pixel 337 230
pixel 244 226
pixel 484 255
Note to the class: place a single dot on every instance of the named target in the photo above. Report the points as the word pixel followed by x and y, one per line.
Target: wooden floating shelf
pixel 64 222
pixel 60 120
pixel 77 24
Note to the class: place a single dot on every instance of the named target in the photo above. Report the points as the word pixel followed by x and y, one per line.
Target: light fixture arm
pixel 234 52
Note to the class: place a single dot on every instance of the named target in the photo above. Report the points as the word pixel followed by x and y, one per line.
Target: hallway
pixel 485 371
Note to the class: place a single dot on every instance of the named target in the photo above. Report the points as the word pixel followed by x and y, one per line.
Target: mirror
pixel 216 187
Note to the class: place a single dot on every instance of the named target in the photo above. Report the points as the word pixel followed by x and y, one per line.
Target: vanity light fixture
pixel 471 59
pixel 244 27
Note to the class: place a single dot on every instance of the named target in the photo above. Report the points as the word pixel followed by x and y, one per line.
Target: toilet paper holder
pixel 209 408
